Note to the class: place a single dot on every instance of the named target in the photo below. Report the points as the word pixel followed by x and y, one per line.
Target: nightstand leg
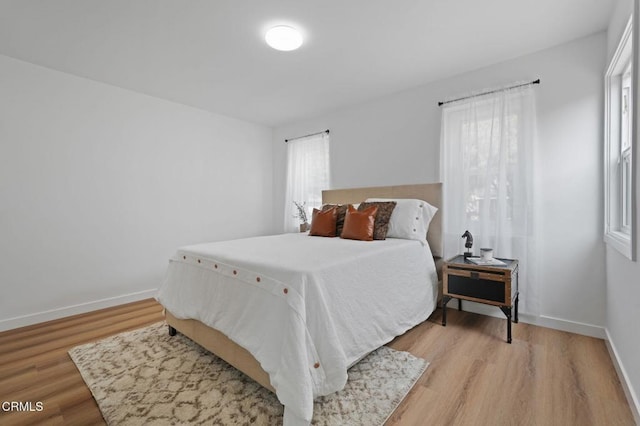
pixel 507 312
pixel 515 319
pixel 445 300
pixel 459 304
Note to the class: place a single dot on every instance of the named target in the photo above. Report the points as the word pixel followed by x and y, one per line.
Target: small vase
pixel 304 227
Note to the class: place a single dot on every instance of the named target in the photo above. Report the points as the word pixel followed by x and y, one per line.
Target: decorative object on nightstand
pixel 491 284
pixel 486 253
pixel 468 244
pixel 302 216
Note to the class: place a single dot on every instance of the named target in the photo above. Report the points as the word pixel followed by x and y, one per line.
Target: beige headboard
pixel 429 192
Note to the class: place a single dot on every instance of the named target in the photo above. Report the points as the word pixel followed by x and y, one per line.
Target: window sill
pixel 619 241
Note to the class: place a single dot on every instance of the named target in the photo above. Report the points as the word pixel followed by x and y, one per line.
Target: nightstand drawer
pixel 476 288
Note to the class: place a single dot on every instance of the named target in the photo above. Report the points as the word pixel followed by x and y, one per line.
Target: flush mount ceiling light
pixel 283 38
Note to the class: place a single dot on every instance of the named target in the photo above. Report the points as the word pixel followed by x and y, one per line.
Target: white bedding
pixel 306 308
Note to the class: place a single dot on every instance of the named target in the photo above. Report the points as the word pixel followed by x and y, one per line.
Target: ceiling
pixel 211 54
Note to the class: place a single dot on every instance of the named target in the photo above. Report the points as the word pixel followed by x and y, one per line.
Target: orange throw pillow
pixel 323 223
pixel 359 225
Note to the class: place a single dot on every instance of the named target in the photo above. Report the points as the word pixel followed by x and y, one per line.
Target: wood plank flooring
pixel 35 365
pixel 545 377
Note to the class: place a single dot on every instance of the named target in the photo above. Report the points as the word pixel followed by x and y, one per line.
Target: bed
pixel 294 312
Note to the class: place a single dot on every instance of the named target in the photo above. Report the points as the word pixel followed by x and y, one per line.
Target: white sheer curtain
pixel 487 149
pixel 308 174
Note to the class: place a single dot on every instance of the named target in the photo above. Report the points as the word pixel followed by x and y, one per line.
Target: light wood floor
pixel 545 377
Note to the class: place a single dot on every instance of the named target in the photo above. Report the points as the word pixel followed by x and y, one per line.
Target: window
pixel 625 149
pixel 487 149
pixel 618 139
pixel 307 176
pixel 483 164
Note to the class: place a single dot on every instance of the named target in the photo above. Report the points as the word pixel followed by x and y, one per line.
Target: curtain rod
pixel 306 136
pixel 487 93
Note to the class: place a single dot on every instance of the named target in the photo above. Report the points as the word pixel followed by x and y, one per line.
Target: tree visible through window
pixel 484 164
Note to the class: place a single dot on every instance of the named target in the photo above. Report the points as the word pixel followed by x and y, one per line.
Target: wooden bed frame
pixel 223 347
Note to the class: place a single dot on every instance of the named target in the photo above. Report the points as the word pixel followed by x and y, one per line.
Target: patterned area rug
pixel 147 377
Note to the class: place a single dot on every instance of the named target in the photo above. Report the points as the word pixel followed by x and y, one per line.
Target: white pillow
pixel 410 218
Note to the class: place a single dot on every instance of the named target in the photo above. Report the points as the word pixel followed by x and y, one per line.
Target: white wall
pixel 623 275
pixel 99 185
pixel 395 140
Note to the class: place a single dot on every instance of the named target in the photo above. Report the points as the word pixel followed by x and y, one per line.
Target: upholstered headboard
pixel 429 192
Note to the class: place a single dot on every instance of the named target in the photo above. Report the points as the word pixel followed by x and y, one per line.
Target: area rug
pixel 147 377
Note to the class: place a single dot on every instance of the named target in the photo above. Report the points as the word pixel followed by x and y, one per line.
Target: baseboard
pixel 566 325
pixel 632 398
pixel 542 320
pixel 25 320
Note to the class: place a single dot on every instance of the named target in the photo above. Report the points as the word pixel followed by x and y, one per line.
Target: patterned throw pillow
pixel 385 208
pixel 342 211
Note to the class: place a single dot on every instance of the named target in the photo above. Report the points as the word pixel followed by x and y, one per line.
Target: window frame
pixel 619 191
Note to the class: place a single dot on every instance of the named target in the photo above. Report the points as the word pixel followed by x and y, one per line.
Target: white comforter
pixel 306 308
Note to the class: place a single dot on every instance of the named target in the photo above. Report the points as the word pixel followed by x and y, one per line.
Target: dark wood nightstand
pixel 491 285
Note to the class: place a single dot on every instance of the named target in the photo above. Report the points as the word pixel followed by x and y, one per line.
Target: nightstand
pixel 491 285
